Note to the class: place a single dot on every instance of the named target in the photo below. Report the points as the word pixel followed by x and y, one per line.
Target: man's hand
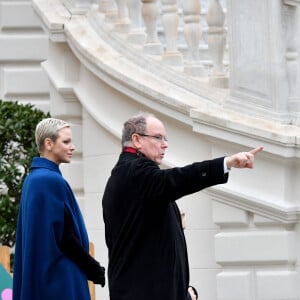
pixel 242 159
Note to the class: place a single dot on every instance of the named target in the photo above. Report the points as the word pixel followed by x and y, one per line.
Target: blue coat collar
pixel 42 162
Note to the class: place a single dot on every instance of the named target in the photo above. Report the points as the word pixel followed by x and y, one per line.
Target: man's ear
pixel 135 139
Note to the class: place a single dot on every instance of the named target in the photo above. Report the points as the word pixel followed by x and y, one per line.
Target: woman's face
pixel 61 150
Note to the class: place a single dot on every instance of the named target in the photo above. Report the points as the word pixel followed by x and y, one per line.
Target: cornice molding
pixel 54 16
pixel 279 139
pixel 292 2
pixel 284 214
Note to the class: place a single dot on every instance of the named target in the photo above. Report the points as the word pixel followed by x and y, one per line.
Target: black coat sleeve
pixel 71 247
pixel 174 183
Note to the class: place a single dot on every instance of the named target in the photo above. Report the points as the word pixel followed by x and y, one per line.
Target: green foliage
pixel 17 147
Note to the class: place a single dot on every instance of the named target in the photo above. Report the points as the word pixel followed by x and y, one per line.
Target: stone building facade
pixel 224 77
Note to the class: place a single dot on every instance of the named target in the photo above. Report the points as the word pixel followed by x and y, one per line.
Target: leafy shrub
pixel 17 147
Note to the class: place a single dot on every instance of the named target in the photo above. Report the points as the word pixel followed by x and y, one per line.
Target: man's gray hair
pixel 48 128
pixel 135 124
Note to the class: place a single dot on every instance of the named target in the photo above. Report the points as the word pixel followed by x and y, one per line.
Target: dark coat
pixel 41 270
pixel 147 249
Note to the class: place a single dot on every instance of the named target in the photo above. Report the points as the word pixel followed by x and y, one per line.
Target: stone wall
pixel 23 45
pixel 242 237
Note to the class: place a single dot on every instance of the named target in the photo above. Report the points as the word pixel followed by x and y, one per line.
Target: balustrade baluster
pixel 122 23
pixel 103 5
pixel 170 21
pixel 192 33
pixel 136 33
pixel 108 7
pixel 150 13
pixel 216 42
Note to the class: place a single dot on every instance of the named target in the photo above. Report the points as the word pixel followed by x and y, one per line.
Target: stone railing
pixel 184 46
pixel 189 35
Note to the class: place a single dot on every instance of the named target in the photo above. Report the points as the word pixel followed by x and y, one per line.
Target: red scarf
pixel 133 151
pixel 130 150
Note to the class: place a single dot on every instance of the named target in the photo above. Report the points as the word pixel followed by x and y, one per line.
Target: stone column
pixel 258 78
pixel 65 105
pixel 292 26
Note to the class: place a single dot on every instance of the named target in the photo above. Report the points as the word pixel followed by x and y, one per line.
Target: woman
pixel 51 254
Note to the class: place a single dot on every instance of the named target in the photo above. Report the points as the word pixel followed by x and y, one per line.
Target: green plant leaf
pixel 17 148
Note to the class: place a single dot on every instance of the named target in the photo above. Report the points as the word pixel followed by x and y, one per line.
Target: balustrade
pixel 175 32
pixel 141 21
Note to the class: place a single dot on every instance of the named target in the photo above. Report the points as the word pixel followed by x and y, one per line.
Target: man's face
pixel 153 144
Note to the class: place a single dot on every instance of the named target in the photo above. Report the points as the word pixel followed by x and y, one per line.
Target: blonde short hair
pixel 48 128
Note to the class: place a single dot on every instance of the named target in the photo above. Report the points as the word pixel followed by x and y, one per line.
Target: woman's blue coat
pixel 41 270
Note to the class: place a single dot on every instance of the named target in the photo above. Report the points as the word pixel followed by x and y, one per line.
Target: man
pixel 146 244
